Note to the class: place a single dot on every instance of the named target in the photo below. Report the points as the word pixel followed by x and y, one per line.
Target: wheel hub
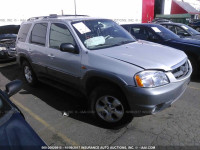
pixel 109 108
pixel 28 74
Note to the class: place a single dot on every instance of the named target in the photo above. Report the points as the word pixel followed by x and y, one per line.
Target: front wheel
pixel 109 106
pixel 29 75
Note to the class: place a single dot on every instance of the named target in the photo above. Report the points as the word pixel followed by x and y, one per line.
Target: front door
pixel 62 66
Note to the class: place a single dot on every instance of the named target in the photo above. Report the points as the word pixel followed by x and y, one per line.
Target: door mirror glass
pixel 13 87
pixel 68 47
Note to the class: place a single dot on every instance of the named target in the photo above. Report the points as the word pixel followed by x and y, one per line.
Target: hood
pixel 194 42
pixel 146 55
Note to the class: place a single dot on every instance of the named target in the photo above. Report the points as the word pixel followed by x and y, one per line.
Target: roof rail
pixel 35 18
pixel 73 15
pixel 54 16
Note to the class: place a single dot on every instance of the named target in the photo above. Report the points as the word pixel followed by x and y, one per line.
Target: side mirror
pixel 68 47
pixel 13 87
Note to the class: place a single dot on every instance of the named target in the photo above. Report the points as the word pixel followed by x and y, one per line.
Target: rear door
pixel 62 66
pixel 37 47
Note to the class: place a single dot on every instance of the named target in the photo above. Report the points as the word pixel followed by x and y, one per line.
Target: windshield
pixel 165 33
pixel 190 30
pixel 101 33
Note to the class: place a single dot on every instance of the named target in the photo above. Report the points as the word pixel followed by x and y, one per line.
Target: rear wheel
pixel 29 75
pixel 109 106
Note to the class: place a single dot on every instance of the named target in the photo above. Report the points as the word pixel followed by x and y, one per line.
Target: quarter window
pixel 38 35
pixel 23 32
pixel 59 33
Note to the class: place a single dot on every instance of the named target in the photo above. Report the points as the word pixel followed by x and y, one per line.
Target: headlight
pixel 151 78
pixel 2 48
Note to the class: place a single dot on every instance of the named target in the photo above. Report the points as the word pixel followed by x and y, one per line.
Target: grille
pixel 181 71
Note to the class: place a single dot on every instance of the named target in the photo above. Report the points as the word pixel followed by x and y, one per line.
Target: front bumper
pixel 146 101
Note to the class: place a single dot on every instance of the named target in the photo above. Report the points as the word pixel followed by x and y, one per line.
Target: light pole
pixel 75 6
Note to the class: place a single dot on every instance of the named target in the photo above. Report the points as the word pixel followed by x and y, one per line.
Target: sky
pixel 121 11
pixel 15 11
pixel 12 11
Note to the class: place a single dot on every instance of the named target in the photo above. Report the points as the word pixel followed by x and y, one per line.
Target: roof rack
pixel 54 16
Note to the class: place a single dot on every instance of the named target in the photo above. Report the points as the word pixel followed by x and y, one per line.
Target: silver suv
pixel 120 76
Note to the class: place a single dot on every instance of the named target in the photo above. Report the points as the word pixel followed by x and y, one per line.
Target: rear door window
pixel 139 33
pixel 172 28
pixel 38 34
pixel 23 32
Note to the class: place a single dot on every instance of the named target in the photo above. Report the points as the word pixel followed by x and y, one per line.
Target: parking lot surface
pixel 44 108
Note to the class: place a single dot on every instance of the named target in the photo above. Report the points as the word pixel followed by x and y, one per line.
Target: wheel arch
pixel 94 78
pixel 23 57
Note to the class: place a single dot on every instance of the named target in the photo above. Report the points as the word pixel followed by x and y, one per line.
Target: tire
pixel 112 105
pixel 29 75
pixel 194 66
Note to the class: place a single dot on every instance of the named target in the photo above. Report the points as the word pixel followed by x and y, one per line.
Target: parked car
pixel 195 25
pixel 7 47
pixel 8 35
pixel 159 34
pixel 120 76
pixel 15 132
pixel 182 30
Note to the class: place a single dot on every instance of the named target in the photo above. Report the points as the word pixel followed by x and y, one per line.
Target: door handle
pixel 51 55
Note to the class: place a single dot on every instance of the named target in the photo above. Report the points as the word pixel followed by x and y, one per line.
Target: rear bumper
pixel 146 101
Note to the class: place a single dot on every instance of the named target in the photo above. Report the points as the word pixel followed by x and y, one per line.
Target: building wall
pixel 176 9
pixel 147 10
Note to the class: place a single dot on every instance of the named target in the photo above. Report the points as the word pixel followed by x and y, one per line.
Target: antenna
pixel 75 6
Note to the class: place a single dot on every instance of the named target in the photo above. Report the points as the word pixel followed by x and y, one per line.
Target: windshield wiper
pixel 107 46
pixel 122 43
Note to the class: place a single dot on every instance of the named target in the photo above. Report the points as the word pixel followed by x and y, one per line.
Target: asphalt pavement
pixel 60 119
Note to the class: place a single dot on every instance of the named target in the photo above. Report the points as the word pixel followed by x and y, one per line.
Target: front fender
pixel 104 75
